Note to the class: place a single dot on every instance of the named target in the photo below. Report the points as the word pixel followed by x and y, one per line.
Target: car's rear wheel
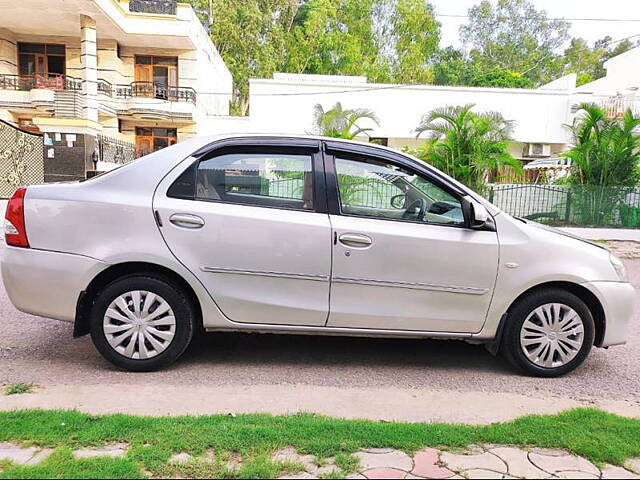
pixel 141 322
pixel 548 333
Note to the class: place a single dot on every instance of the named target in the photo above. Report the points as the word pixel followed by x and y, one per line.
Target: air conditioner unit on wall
pixel 538 150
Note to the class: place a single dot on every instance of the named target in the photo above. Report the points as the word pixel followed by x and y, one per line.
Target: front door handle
pixel 186 220
pixel 355 240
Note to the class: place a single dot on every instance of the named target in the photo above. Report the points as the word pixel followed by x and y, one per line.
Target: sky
pixel 590 30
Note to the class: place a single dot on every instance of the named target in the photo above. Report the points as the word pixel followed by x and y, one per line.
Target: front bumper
pixel 618 300
pixel 46 283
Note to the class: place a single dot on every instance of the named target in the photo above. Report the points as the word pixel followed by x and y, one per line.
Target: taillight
pixel 15 233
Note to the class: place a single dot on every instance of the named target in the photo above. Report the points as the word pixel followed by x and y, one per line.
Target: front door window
pixel 381 190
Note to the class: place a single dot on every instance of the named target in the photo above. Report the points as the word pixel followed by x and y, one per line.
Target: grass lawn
pixel 598 436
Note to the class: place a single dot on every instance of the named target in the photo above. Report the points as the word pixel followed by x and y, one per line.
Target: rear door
pixel 402 258
pixel 250 221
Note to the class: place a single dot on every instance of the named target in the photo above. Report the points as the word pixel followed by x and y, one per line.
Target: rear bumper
pixel 618 301
pixel 46 283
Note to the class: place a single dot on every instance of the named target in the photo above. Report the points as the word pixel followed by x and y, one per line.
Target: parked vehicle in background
pixel 303 235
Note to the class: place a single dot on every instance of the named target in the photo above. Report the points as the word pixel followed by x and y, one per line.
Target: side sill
pixel 339 331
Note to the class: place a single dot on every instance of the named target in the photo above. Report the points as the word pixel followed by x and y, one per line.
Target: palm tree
pixel 605 157
pixel 605 151
pixel 466 145
pixel 340 123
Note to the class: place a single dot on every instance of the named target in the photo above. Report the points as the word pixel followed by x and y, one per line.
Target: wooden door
pixel 40 73
pixel 144 145
pixel 144 80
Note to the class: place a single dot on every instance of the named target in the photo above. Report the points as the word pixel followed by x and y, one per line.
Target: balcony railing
pixel 164 7
pixel 614 106
pixel 157 90
pixel 105 87
pixel 29 82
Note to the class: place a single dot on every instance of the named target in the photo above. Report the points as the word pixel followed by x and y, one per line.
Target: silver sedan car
pixel 303 235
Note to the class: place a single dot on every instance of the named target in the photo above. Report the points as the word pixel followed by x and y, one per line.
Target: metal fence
pixel 21 159
pixel 354 191
pixel 115 151
pixel 580 205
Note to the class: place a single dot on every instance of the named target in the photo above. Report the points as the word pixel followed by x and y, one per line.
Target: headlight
pixel 618 267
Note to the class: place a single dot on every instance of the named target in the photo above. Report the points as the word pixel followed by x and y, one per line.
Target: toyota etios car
pixel 303 235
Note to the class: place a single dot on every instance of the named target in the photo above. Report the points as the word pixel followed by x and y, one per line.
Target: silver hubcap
pixel 139 324
pixel 552 335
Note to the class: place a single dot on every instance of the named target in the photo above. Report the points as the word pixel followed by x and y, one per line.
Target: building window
pixel 150 140
pixel 45 62
pixel 156 77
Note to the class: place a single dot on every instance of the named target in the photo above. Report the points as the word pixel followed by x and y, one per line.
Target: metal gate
pixel 21 159
pixel 580 205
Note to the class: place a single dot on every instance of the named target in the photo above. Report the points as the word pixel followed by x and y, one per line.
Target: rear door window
pixel 264 179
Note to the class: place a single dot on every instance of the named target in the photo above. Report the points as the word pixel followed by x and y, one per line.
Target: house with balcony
pixel 617 91
pixel 100 78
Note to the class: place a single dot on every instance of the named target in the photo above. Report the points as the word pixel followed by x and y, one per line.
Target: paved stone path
pixel 628 249
pixel 482 461
pixel 477 461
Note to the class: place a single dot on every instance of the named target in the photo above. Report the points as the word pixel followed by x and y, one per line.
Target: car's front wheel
pixel 548 333
pixel 142 322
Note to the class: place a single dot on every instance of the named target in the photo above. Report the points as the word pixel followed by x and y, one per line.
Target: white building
pixel 284 104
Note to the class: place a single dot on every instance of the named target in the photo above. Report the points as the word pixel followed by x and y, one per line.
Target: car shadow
pixel 335 351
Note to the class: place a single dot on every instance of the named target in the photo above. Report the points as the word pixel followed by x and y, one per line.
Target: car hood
pixel 564 233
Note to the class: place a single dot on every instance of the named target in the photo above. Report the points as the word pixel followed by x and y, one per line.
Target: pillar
pixel 89 60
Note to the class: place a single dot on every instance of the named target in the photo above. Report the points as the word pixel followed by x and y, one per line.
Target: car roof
pixel 223 136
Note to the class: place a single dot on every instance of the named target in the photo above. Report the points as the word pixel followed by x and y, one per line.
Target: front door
pixel 252 231
pixel 150 139
pixel 402 258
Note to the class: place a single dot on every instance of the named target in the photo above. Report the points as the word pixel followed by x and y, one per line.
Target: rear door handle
pixel 355 240
pixel 186 220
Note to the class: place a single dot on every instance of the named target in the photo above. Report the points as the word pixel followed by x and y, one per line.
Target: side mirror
pixel 399 201
pixel 475 214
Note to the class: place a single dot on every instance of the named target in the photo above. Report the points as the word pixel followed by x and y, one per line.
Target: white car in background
pixel 303 235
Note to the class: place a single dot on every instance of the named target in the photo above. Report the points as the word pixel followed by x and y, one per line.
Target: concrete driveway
pixel 372 378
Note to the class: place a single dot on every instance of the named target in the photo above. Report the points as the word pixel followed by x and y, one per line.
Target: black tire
pixel 511 348
pixel 180 304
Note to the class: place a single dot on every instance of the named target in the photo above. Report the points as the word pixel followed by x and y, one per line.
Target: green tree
pixel 386 40
pixel 605 151
pixel 413 35
pixel 330 37
pixel 588 62
pixel 605 157
pixel 251 37
pixel 341 123
pixel 513 35
pixel 502 79
pixel 466 145
pixel 453 68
